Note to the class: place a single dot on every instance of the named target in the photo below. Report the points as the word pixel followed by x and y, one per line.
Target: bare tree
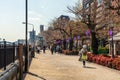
pixel 68 29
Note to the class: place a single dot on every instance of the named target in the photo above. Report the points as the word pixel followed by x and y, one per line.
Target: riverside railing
pixel 12 61
pixel 8 54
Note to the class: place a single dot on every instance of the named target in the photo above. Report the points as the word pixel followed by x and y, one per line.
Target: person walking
pixel 57 48
pixel 83 55
pixel 44 48
pixel 38 49
pixel 52 49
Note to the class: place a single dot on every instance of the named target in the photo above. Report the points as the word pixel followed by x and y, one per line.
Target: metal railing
pixel 12 61
pixel 8 54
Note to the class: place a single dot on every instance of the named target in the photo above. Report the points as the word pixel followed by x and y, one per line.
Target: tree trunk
pixel 71 39
pixel 64 44
pixel 71 44
pixel 83 41
pixel 94 43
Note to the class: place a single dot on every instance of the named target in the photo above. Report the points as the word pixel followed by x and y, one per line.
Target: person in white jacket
pixel 83 54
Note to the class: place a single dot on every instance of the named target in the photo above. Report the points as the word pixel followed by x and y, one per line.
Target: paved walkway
pixel 63 67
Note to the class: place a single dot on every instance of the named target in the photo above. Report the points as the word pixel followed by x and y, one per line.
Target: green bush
pixel 103 50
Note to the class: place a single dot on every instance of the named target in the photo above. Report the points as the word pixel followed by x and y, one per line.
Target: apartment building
pixel 103 16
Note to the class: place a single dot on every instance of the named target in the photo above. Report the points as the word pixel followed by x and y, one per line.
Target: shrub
pixel 90 56
pixel 103 50
pixel 65 51
pixel 105 60
pixel 116 63
pixel 74 52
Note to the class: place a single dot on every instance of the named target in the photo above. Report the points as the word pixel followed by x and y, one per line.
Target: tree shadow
pixel 36 75
pixel 90 67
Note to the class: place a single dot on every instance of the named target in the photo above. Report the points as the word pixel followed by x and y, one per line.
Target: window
pixel 99 2
pixel 87 5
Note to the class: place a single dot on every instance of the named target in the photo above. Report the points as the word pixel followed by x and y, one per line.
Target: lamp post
pixel 26 47
pixel 111 27
pixel 33 36
pixel 28 23
pixel 32 32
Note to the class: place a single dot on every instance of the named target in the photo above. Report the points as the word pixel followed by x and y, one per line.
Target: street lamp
pixel 111 27
pixel 32 32
pixel 33 38
pixel 26 25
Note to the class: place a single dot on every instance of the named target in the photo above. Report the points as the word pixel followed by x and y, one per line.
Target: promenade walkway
pixel 65 67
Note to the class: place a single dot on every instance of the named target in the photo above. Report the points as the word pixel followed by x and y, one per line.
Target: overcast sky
pixel 12 15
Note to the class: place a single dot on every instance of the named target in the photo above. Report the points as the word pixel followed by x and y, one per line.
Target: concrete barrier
pixel 12 73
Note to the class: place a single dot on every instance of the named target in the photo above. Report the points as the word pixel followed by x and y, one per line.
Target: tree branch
pixel 62 30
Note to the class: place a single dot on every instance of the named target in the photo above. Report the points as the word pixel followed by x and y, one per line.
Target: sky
pixel 12 14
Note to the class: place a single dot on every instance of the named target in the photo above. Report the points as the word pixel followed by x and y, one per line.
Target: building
pixel 103 14
pixel 116 44
pixel 32 37
pixel 62 22
pixel 99 14
pixel 95 8
pixel 20 41
pixel 105 17
pixel 64 18
pixel 39 40
pixel 50 28
pixel 86 3
pixel 41 28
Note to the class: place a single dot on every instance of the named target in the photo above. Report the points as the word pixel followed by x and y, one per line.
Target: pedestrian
pixel 83 54
pixel 57 48
pixel 32 52
pixel 44 48
pixel 38 49
pixel 52 49
pixel 80 54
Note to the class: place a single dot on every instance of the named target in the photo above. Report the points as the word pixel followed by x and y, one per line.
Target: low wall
pixel 11 73
pixel 15 70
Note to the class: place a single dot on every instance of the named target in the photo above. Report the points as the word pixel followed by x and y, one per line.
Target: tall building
pixel 104 17
pixel 41 28
pixel 98 15
pixel 97 11
pixel 32 36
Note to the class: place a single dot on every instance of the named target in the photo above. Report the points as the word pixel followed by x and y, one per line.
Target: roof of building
pixel 116 37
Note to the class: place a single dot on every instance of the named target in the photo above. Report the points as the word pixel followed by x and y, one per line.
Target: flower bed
pixel 116 63
pixel 67 52
pixel 105 60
